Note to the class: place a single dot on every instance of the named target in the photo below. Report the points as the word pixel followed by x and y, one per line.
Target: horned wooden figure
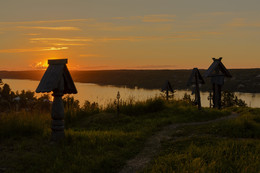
pixel 196 79
pixel 167 87
pixel 58 80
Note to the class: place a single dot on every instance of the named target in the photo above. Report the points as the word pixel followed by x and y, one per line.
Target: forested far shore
pixel 243 80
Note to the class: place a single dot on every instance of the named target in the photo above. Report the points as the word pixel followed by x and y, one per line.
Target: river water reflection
pixel 106 94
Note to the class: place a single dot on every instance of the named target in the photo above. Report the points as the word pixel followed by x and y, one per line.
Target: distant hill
pixel 244 80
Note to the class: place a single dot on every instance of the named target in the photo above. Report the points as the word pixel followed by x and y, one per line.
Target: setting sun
pixel 41 65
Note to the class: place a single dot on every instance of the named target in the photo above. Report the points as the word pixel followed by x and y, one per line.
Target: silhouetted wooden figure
pixel 167 88
pixel 57 79
pixel 196 79
pixel 210 99
pixel 217 71
pixel 118 99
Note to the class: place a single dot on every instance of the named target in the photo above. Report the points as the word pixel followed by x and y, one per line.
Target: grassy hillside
pixel 244 80
pixel 229 146
pixel 101 141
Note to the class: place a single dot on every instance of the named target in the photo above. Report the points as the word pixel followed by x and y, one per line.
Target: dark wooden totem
pixel 58 80
pixel 195 80
pixel 217 72
pixel 167 88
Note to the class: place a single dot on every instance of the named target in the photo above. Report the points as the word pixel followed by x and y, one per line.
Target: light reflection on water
pixel 106 94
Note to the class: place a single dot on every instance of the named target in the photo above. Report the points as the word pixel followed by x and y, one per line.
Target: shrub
pixel 91 107
pixel 229 99
pixel 137 108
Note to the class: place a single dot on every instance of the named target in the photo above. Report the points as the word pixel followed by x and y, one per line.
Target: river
pixel 107 94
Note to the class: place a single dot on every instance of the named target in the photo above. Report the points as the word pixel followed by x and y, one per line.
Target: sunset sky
pixel 129 34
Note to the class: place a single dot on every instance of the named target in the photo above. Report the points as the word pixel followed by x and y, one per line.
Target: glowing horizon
pixel 104 35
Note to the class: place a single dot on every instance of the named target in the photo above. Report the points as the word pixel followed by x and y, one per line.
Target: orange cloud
pixel 119 18
pixel 220 13
pixel 32 34
pixel 153 18
pixel 187 36
pixel 133 38
pixel 69 44
pixel 32 49
pixel 158 18
pixel 243 22
pixel 56 28
pixel 214 33
pixel 55 48
pixel 216 14
pixel 238 22
pixel 63 39
pixel 89 55
pixel 106 26
pixel 153 67
pixel 48 21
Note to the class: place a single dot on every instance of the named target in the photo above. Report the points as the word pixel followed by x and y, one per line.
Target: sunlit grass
pixel 96 141
pixel 228 146
pixel 204 154
pixel 15 124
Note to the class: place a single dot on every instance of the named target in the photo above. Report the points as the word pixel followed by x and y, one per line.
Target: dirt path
pixel 153 144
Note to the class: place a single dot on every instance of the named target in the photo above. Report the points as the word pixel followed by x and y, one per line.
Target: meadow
pixel 229 146
pixel 99 140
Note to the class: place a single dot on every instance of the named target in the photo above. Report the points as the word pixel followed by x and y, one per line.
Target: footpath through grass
pixel 228 146
pixel 100 142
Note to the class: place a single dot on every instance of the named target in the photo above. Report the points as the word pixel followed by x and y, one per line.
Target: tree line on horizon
pixel 28 101
pixel 244 80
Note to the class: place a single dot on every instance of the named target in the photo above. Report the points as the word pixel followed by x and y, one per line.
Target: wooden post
pixel 219 96
pixel 57 114
pixel 167 94
pixel 58 80
pixel 118 107
pixel 197 93
pixel 214 95
pixel 166 89
pixel 118 98
pixel 217 71
pixel 210 99
pixel 196 79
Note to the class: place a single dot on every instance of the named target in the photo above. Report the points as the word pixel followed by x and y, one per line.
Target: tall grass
pixel 227 146
pixel 130 107
pixel 93 151
pixel 96 140
pixel 247 125
pixel 209 155
pixel 17 124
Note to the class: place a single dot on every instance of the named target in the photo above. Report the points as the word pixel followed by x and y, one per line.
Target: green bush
pixel 229 99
